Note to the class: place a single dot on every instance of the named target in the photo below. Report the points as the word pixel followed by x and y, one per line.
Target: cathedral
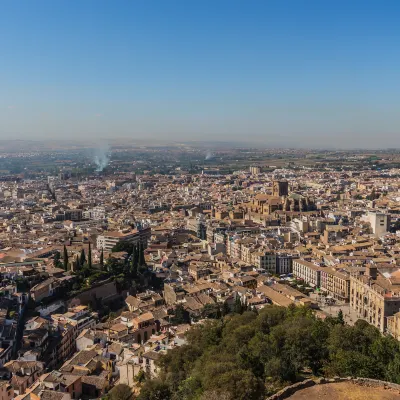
pixel 280 200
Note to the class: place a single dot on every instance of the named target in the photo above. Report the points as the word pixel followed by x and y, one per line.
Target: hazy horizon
pixel 277 74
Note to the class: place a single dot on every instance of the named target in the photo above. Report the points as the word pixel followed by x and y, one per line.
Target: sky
pixel 297 73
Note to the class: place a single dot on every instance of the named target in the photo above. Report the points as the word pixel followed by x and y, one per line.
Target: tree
pixel 123 246
pixel 155 390
pixel 181 316
pixel 77 265
pixel 340 317
pixel 65 258
pixel 121 392
pixel 102 258
pixel 393 370
pixel 142 261
pixel 238 307
pixel 57 257
pixel 135 256
pixel 134 264
pixel 140 377
pixel 225 309
pixel 248 356
pixel 82 259
pixel 90 257
pixel 211 311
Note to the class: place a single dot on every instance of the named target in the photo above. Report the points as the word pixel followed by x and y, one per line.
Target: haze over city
pixel 277 73
pixel 199 200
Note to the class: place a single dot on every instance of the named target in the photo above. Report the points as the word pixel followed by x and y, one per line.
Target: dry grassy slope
pixel 345 391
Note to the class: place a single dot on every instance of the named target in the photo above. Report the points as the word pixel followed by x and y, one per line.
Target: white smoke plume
pixel 209 155
pixel 101 156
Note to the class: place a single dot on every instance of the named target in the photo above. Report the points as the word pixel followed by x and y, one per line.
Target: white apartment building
pixel 108 240
pixel 308 272
pixel 380 222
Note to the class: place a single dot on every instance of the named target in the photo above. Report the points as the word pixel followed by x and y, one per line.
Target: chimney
pixel 372 271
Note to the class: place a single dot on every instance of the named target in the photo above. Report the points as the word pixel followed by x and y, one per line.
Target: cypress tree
pixel 82 258
pixel 77 266
pixel 142 261
pixel 102 258
pixel 134 267
pixel 90 257
pixel 65 258
pixel 135 257
pixel 238 308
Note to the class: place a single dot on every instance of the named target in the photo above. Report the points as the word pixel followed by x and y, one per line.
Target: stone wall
pixel 105 292
pixel 289 390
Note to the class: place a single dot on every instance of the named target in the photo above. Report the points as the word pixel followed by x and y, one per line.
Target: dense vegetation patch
pixel 250 355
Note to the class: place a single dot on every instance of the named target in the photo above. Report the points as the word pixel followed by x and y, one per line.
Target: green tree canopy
pixel 121 392
pixel 251 355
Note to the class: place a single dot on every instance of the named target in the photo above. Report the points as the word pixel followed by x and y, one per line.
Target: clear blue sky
pixel 308 73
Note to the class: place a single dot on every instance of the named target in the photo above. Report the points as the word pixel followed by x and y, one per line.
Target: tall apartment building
pixel 284 264
pixel 336 283
pixel 255 170
pixel 376 297
pixel 308 272
pixel 198 225
pixel 69 215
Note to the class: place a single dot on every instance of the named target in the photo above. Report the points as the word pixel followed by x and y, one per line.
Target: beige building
pixel 44 289
pixel 198 270
pixel 6 391
pixel 336 283
pixel 375 296
pixel 128 369
pixel 264 260
pixel 393 325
